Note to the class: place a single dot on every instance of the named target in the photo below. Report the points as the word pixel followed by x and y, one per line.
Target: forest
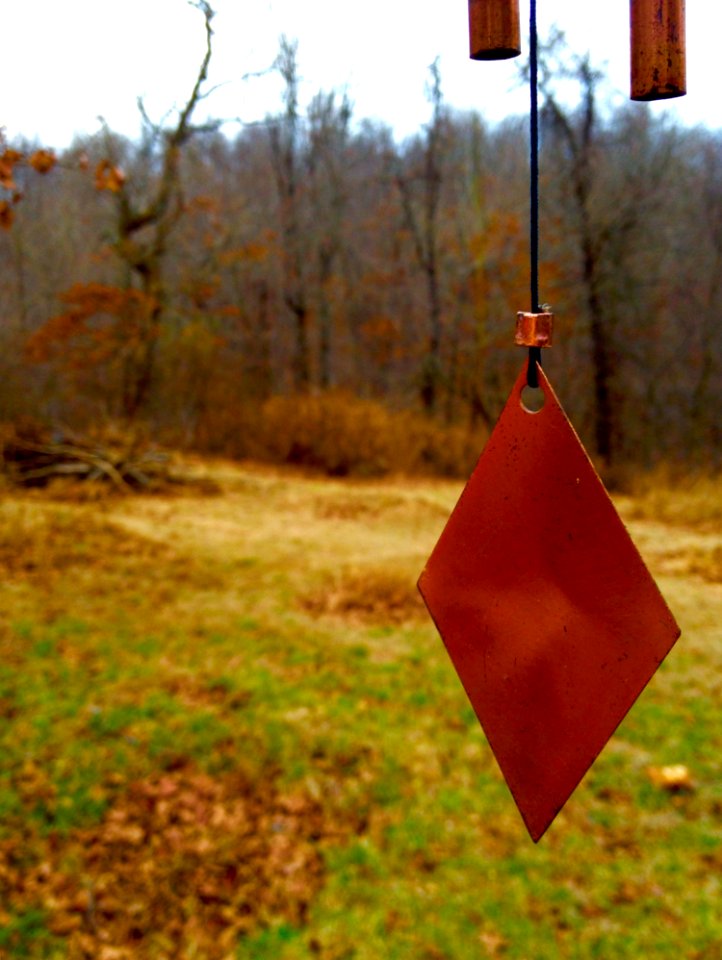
pixel 309 290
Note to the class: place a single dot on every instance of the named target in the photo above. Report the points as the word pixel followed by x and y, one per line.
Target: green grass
pixel 181 637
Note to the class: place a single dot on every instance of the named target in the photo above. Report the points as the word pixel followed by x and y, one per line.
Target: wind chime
pixel 548 613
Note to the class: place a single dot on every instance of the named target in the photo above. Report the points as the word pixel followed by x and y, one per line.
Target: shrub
pixel 339 435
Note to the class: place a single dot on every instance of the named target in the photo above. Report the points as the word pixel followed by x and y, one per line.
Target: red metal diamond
pixel 548 612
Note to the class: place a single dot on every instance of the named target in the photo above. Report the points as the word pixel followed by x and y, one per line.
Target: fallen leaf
pixel 675 778
pixel 493 943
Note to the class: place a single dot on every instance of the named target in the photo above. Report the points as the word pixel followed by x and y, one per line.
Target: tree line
pixel 184 277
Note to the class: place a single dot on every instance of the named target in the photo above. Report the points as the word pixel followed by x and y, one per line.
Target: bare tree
pixel 577 134
pixel 327 153
pixel 147 211
pixel 286 134
pixel 421 216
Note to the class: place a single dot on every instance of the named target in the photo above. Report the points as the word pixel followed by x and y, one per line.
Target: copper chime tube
pixel 658 62
pixel 494 29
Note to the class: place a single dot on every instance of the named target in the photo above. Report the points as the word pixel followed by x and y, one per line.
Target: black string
pixel 534 352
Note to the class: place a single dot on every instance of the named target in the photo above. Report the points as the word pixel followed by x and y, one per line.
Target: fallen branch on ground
pixel 30 461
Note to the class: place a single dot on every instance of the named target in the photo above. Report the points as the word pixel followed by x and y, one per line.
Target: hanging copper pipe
pixel 658 61
pixel 494 29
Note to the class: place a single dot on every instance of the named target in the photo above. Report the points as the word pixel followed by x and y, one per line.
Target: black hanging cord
pixel 534 352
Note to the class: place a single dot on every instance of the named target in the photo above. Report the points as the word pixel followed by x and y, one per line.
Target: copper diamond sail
pixel 546 608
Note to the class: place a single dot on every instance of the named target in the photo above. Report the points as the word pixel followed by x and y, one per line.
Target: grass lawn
pixel 229 730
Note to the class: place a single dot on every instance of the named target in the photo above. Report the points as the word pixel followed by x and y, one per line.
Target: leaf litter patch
pixel 182 862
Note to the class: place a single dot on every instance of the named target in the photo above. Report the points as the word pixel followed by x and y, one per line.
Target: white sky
pixel 64 63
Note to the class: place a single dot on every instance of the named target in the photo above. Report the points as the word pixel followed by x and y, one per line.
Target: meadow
pixel 228 729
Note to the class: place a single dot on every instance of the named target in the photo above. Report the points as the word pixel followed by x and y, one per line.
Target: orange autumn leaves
pixel 107 176
pixel 101 319
pixel 8 159
pixel 42 161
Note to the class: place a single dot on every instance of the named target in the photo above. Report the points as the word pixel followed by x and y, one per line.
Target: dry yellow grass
pixel 677 497
pixel 383 596
pixel 341 538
